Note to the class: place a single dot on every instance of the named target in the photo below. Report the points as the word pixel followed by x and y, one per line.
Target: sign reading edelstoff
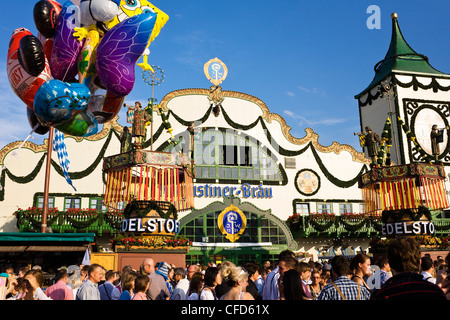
pixel 405 228
pixel 150 225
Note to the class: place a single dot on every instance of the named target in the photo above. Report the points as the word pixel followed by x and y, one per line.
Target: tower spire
pixel 400 58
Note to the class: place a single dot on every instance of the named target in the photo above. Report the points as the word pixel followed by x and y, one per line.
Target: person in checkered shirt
pixel 342 288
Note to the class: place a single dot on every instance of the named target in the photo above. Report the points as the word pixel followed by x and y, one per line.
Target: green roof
pixel 46 237
pixel 400 58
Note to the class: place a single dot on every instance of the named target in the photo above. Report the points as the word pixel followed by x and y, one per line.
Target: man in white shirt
pixel 182 285
pixel 426 264
pixel 271 290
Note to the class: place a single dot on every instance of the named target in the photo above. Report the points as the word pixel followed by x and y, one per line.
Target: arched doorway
pixel 263 238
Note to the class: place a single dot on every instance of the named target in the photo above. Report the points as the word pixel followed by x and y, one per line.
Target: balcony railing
pixel 350 224
pixel 72 220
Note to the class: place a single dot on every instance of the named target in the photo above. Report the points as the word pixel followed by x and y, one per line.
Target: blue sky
pixel 305 59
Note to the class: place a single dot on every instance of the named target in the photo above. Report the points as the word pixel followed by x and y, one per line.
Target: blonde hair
pixel 233 275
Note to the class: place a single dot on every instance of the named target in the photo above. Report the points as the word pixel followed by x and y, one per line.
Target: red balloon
pixel 22 82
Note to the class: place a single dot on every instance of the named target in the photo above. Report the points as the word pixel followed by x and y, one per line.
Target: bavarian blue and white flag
pixel 60 147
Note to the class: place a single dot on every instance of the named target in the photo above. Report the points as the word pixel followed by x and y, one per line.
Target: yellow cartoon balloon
pixel 130 8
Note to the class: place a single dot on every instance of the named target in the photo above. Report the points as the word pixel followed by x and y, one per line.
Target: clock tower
pixel 407 91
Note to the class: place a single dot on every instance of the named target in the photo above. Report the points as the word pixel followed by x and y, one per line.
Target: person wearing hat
pixel 164 269
pixel 157 288
pixel 372 142
pixel 60 290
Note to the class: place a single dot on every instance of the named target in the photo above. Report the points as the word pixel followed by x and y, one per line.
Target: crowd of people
pixel 403 274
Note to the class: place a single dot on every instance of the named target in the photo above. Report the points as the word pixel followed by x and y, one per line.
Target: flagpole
pixel 47 180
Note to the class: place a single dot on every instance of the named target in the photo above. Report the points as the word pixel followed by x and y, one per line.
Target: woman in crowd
pixel 141 285
pixel 195 286
pixel 292 286
pixel 33 282
pixel 360 268
pixel 128 285
pixel 213 277
pixel 315 287
pixel 237 279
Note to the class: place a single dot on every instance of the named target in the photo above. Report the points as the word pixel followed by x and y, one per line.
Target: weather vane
pixel 153 77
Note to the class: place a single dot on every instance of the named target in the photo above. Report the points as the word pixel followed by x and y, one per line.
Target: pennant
pixel 87 257
pixel 60 148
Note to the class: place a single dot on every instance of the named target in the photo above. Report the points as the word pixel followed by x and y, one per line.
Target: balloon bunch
pixel 76 74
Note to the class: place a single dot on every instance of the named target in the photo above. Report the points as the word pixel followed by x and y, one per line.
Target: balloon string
pixel 67 70
pixel 14 153
pixel 74 57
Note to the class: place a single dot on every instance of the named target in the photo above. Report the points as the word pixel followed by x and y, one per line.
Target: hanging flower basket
pixel 322 221
pixel 133 243
pixel 294 222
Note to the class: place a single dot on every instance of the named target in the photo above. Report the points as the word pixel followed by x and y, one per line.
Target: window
pixel 302 208
pixel 324 208
pixel 289 163
pixel 97 203
pixel 72 203
pixel 121 205
pixel 226 154
pixel 345 208
pixel 258 229
pixel 362 208
pixel 40 202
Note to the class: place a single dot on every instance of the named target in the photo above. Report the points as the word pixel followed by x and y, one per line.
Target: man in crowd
pixel 89 289
pixel 182 284
pixel 385 269
pixel 60 290
pixel 406 282
pixel 271 290
pixel 342 288
pixel 108 291
pixel 193 268
pixel 157 287
pixel 427 269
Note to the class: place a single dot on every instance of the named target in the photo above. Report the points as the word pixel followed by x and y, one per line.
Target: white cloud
pixel 304 89
pixel 312 90
pixel 290 93
pixel 303 121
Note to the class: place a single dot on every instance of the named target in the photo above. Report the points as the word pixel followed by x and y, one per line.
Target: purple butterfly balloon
pixel 66 47
pixel 119 51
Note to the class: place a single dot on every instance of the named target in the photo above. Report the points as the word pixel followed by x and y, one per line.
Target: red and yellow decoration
pixel 149 176
pixel 404 187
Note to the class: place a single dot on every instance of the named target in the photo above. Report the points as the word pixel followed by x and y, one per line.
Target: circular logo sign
pixel 232 223
pixel 216 71
pixel 307 182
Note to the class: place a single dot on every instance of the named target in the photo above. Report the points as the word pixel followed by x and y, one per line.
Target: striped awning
pixel 149 183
